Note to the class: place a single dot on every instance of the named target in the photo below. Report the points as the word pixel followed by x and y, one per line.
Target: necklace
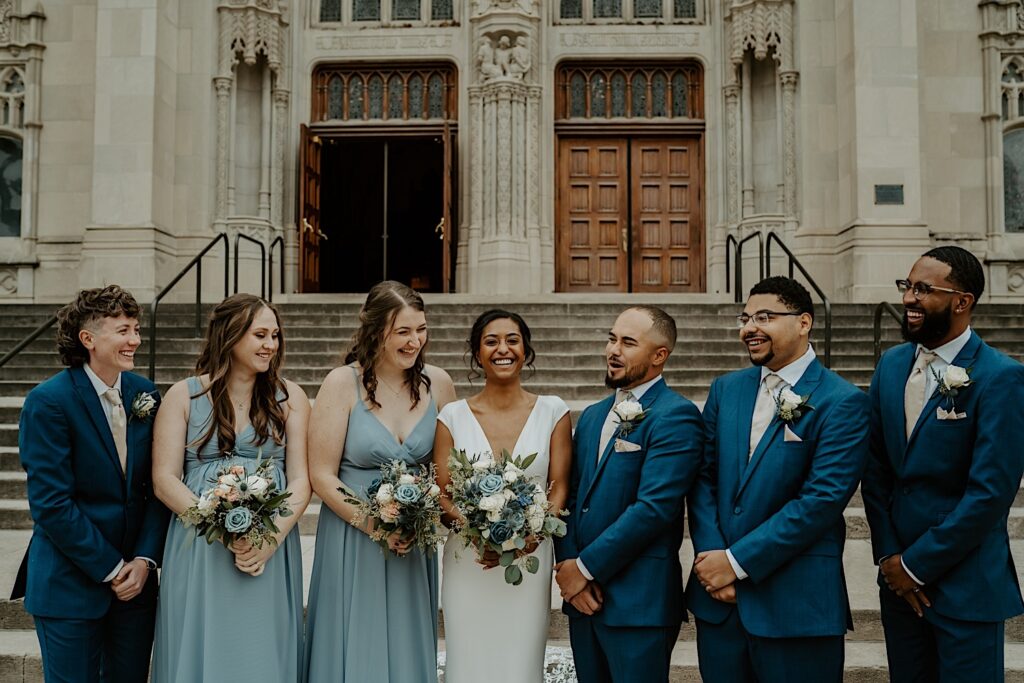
pixel 388 385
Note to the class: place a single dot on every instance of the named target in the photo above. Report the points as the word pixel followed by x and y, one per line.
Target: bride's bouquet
pixel 403 499
pixel 503 509
pixel 239 505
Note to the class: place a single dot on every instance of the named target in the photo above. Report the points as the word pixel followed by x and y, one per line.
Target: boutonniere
pixel 789 405
pixel 630 413
pixel 951 382
pixel 143 406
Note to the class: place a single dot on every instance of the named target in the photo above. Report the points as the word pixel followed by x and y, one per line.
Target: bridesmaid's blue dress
pixel 372 615
pixel 215 623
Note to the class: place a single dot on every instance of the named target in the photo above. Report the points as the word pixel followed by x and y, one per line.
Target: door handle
pixel 625 241
pixel 439 229
pixel 321 235
pixel 306 227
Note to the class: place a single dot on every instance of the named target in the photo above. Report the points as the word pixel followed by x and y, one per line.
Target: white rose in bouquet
pixel 385 494
pixel 540 498
pixel 207 503
pixel 407 479
pixel 434 491
pixel 535 518
pixel 481 464
pixel 257 485
pixel 508 545
pixel 492 503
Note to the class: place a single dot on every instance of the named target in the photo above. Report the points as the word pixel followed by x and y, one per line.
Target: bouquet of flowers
pixel 502 508
pixel 403 499
pixel 239 505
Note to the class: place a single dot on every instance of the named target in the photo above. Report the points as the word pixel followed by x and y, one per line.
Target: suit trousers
pixel 620 654
pixel 115 648
pixel 727 652
pixel 937 649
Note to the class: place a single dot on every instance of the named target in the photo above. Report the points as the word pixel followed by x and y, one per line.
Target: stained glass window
pixel 330 10
pixel 578 95
pixel 395 90
pixel 355 98
pixel 335 98
pixel 366 10
pixel 607 8
pixel 571 9
pixel 435 97
pixel 685 9
pixel 618 94
pixel 639 94
pixel 659 99
pixel 10 187
pixel 679 86
pixel 416 96
pixel 441 10
pixel 405 9
pixel 1013 180
pixel 598 95
pixel 647 8
pixel 375 100
pixel 617 91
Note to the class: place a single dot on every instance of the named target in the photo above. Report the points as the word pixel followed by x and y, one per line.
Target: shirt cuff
pixel 111 575
pixel 740 574
pixel 583 569
pixel 918 581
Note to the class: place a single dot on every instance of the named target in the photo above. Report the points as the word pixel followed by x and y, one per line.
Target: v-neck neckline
pixel 401 443
pixel 480 428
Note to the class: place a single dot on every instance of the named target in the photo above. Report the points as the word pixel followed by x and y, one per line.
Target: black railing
pixel 737 254
pixel 28 340
pixel 883 307
pixel 793 262
pixel 270 269
pixel 197 262
pixel 263 262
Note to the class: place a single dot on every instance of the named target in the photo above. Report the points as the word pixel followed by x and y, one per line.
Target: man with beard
pixel 941 477
pixel 635 455
pixel 786 443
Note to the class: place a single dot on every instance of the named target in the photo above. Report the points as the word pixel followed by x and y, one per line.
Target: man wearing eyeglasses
pixel 785 446
pixel 944 468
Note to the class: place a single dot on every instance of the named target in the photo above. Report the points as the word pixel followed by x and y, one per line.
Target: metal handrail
pixel 263 262
pixel 738 258
pixel 793 261
pixel 729 239
pixel 270 270
pixel 28 340
pixel 196 261
pixel 883 307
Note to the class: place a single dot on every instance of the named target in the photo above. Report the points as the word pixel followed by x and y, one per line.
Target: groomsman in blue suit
pixel 947 415
pixel 89 574
pixel 786 445
pixel 636 454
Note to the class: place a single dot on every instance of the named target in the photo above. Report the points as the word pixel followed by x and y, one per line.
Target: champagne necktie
pixel 913 395
pixel 118 426
pixel 611 423
pixel 764 410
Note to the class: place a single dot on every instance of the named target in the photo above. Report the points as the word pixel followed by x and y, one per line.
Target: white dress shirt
pixel 638 392
pixel 790 375
pixel 108 408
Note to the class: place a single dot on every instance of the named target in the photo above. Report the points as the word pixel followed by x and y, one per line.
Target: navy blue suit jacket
pixel 781 513
pixel 626 511
pixel 87 514
pixel 941 497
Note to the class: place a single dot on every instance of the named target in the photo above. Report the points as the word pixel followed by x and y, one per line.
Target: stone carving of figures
pixel 503 56
pixel 521 58
pixel 485 60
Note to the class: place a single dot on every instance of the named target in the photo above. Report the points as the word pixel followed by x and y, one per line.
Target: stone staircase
pixel 569 332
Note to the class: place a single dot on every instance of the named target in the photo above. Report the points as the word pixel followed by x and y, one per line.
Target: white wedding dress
pixel 495 632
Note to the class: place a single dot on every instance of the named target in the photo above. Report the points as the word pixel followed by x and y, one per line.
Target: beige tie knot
pixel 114 396
pixel 623 395
pixel 771 383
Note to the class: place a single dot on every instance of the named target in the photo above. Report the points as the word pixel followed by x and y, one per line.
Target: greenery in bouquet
pixel 502 509
pixel 239 505
pixel 403 499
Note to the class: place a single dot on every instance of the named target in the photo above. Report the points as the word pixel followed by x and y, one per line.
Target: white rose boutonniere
pixel 791 405
pixel 144 406
pixel 952 382
pixel 630 413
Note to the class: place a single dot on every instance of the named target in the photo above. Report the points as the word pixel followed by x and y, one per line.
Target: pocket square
pixel 788 435
pixel 950 414
pixel 622 446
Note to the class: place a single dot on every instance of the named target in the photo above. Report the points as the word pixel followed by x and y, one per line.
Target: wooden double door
pixel 630 214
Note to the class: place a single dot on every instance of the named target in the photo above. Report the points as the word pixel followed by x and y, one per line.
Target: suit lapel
pixel 744 414
pixel 128 393
pixel 964 359
pixel 87 395
pixel 590 438
pixel 805 387
pixel 892 400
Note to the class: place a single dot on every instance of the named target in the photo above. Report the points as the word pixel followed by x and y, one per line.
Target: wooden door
pixel 309 211
pixel 445 227
pixel 667 225
pixel 593 235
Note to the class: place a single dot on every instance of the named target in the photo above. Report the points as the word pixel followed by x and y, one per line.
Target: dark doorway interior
pixel 380 230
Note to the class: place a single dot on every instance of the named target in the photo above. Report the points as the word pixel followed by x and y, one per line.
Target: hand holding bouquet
pixel 239 506
pixel 403 500
pixel 503 509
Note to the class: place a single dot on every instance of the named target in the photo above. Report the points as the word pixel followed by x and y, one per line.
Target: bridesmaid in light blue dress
pixel 234 613
pixel 372 615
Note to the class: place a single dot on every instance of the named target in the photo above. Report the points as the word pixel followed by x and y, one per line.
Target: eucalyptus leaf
pixel 513 575
pixel 532 564
pixel 527 461
pixel 506 558
pixel 519 542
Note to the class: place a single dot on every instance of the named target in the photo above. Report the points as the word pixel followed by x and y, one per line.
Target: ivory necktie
pixel 611 422
pixel 119 426
pixel 913 395
pixel 764 410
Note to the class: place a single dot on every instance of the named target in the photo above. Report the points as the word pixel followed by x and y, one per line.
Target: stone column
pixel 223 85
pixel 733 144
pixel 789 81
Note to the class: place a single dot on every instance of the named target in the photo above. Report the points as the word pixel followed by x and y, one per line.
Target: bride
pixel 494 631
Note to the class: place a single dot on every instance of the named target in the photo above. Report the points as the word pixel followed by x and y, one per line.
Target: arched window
pixel 10 187
pixel 1013 179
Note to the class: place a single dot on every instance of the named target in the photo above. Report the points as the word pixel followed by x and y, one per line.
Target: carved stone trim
pixel 762 26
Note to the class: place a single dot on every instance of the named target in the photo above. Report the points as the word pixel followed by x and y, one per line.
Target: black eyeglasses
pixel 761 317
pixel 922 289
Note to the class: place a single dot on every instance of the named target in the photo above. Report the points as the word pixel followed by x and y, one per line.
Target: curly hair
pixel 383 303
pixel 229 322
pixel 789 292
pixel 88 307
pixel 476 334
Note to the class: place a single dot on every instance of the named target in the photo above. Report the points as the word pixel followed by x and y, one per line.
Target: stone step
pixel 12 485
